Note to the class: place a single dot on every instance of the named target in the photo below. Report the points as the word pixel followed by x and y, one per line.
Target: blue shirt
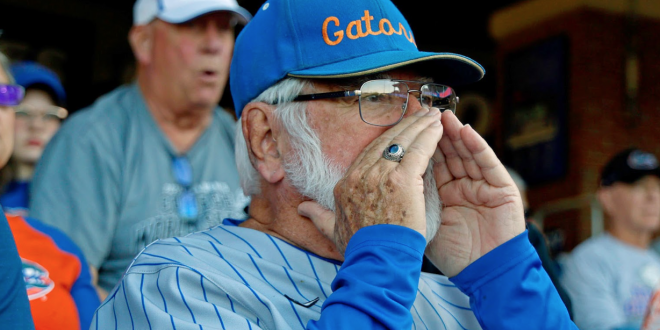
pixel 610 283
pixel 16 197
pixel 14 306
pixel 107 180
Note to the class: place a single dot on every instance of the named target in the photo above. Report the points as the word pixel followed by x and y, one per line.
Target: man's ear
pixel 604 195
pixel 141 39
pixel 260 131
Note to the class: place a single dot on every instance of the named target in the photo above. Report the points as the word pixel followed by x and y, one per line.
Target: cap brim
pixel 444 68
pixel 636 175
pixel 629 177
pixel 176 15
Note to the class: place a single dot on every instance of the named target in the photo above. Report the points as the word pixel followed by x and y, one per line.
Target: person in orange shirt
pixel 56 276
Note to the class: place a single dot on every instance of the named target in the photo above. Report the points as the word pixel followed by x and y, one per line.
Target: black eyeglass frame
pixel 358 92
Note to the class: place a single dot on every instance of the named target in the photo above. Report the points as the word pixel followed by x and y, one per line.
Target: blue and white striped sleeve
pixel 175 297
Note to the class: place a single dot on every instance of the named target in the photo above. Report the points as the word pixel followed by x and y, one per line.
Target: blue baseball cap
pixel 28 74
pixel 323 39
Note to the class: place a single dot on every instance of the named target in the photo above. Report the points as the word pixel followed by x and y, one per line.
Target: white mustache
pixel 315 177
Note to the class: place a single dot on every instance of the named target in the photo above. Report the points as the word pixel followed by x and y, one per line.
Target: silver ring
pixel 394 153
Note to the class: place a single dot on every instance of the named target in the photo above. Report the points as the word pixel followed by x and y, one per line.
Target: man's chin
pixel 207 97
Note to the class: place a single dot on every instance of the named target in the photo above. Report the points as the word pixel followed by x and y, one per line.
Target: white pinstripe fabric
pixel 237 278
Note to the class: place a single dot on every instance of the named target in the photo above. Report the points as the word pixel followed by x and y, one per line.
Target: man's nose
pixel 413 105
pixel 213 37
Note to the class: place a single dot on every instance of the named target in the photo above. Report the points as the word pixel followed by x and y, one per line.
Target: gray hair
pixel 4 64
pixel 291 115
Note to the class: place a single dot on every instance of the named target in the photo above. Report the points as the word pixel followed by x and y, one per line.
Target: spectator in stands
pixel 153 159
pixel 14 307
pixel 55 277
pixel 610 277
pixel 38 117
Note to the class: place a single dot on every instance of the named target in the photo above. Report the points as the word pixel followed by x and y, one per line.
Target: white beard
pixel 315 177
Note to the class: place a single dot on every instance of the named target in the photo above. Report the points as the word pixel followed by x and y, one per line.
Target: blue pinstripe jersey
pixel 230 277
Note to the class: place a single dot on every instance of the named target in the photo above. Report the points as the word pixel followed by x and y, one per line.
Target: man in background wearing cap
pixel 153 159
pixel 610 278
pixel 322 89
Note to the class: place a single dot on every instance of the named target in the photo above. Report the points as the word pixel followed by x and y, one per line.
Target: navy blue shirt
pixel 14 305
pixel 16 197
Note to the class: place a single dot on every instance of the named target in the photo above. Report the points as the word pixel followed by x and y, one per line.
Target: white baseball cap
pixel 179 11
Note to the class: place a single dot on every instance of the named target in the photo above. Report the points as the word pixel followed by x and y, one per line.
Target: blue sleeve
pixel 377 284
pixel 83 292
pixel 509 289
pixel 85 296
pixel 14 306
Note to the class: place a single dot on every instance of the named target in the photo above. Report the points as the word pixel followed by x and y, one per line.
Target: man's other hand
pixel 482 205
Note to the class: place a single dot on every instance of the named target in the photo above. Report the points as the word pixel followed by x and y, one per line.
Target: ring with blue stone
pixel 394 153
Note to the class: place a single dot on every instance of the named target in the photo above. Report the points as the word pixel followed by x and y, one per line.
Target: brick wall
pixel 599 124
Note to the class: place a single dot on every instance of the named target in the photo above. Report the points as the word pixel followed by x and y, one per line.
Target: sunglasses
pixel 186 202
pixel 11 95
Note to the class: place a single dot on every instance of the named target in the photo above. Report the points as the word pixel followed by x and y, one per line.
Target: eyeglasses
pixel 186 202
pixel 50 114
pixel 11 95
pixel 383 102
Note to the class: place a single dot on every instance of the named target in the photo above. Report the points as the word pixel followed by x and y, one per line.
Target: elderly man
pixel 153 159
pixel 339 112
pixel 610 277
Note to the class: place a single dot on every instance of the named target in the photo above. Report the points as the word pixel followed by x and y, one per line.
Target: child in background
pixel 38 118
pixel 56 276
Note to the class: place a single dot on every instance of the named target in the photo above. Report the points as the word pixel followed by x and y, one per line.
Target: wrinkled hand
pixel 482 205
pixel 379 191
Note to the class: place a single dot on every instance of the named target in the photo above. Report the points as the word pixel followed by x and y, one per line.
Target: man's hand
pixel 482 205
pixel 375 190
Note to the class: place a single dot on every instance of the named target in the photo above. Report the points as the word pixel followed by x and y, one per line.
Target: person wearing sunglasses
pixel 14 305
pixel 611 277
pixel 348 143
pixel 38 118
pixel 155 158
pixel 55 277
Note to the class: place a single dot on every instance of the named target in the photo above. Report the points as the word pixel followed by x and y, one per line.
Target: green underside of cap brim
pixel 447 68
